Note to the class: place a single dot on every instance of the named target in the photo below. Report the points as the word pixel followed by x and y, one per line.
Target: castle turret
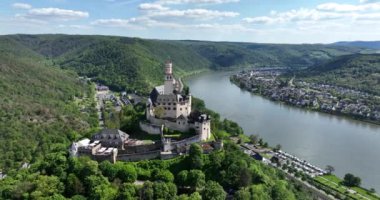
pixel 169 81
pixel 168 68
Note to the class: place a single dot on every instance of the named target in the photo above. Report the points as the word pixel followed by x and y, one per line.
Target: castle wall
pixel 141 148
pixel 167 155
pixel 151 128
pixel 203 129
pixel 180 146
pixel 174 108
pixel 139 156
pixel 169 85
pixel 169 124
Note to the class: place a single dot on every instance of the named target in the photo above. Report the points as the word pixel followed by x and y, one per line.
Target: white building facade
pixel 169 106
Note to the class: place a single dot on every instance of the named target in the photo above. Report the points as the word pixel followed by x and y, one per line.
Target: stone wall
pixel 151 128
pixel 139 156
pixel 180 146
pixel 141 148
pixel 170 124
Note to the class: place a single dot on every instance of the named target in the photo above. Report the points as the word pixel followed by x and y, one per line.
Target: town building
pixel 111 138
pixel 169 105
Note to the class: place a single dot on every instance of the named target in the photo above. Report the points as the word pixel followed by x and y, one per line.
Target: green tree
pixel 254 138
pixel 196 179
pixel 127 191
pixel 108 169
pixel 242 194
pixel 330 169
pixel 277 147
pixel 195 196
pixel 181 178
pixel 127 173
pixel 280 192
pixel 73 185
pixel 91 182
pixel 163 175
pixel 46 186
pixel 56 164
pixel 164 190
pixel 195 156
pixel 213 191
pixel 351 180
pixel 147 192
pixel 104 192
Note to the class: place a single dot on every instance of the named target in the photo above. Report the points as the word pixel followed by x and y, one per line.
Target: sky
pixel 264 21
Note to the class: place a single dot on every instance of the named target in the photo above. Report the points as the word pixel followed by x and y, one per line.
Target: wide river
pixel 321 139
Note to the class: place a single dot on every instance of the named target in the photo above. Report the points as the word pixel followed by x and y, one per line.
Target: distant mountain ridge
pixel 362 44
pixel 126 63
pixel 357 71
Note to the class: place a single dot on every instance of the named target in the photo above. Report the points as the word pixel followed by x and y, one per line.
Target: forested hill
pixel 133 63
pixel 358 71
pixel 37 111
pixel 362 44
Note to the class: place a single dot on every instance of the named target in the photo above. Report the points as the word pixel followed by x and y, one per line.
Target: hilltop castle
pixel 170 106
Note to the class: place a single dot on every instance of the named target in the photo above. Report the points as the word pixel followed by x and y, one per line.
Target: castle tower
pixel 169 80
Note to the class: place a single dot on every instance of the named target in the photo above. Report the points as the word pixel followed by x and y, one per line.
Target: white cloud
pixel 152 6
pixel 134 23
pixel 368 1
pixel 260 20
pixel 321 13
pixel 54 14
pixel 21 6
pixel 143 23
pixel 194 14
pixel 295 15
pixel 75 26
pixel 336 7
pixel 196 1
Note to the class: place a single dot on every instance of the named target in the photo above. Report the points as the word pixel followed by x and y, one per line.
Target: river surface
pixel 321 139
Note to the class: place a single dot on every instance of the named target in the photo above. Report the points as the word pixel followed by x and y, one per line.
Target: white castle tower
pixel 174 107
pixel 169 80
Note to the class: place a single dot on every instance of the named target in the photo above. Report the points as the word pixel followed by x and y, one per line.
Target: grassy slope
pixel 35 105
pixel 359 71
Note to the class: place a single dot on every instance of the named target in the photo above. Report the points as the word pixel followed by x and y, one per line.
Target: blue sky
pixel 267 21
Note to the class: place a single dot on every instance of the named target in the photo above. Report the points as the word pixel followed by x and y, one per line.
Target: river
pixel 321 139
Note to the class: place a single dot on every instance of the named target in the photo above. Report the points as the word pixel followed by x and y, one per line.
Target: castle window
pixel 174 103
pixel 174 108
pixel 180 109
pixel 169 104
pixel 163 103
pixel 179 122
pixel 168 108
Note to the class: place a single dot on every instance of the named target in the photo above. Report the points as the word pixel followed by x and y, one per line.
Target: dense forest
pixel 362 44
pixel 37 107
pixel 358 71
pixel 45 105
pixel 196 176
pixel 134 64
